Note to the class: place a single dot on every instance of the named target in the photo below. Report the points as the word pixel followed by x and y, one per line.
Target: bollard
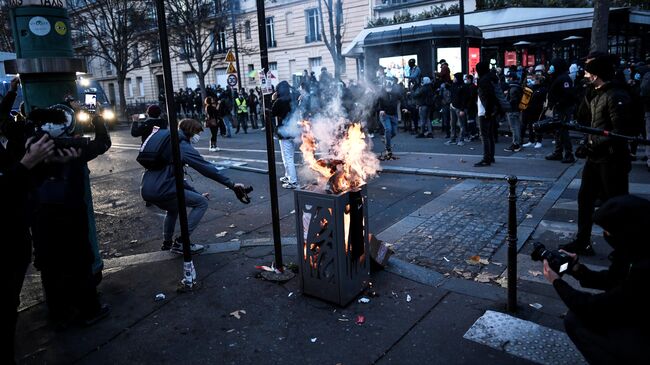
pixel 512 244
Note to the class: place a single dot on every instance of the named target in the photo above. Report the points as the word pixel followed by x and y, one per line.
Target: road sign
pixel 230 57
pixel 231 69
pixel 265 84
pixel 232 80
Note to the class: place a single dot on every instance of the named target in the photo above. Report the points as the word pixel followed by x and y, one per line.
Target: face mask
pixel 637 76
pixel 467 81
pixel 530 82
pixel 551 69
pixel 195 139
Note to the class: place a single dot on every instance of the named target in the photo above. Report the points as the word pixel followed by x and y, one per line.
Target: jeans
pixel 227 120
pixel 445 119
pixel 514 120
pixel 599 180
pixel 424 121
pixel 458 123
pixel 194 200
pixel 288 148
pixel 390 128
pixel 486 126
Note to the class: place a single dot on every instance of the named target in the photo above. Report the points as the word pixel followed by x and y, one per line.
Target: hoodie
pixel 486 89
pixel 562 96
pixel 622 304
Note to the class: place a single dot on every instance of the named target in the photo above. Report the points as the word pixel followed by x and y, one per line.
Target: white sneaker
pixel 212 149
pixel 529 144
pixel 217 149
pixel 284 179
pixel 290 185
pixel 460 143
pixel 194 248
pixel 538 145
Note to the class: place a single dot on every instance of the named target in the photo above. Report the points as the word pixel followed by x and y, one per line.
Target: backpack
pixel 155 151
pixel 526 96
pixel 515 93
pixel 503 104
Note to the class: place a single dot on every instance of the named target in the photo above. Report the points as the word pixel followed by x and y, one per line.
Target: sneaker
pixel 284 179
pixel 177 247
pixel 538 145
pixel 468 140
pixel 569 158
pixel 578 248
pixel 516 148
pixel 166 246
pixel 290 185
pixel 510 148
pixel 460 143
pixel 528 144
pixel 212 149
pixel 482 163
pixel 217 149
pixel 554 156
pixel 450 142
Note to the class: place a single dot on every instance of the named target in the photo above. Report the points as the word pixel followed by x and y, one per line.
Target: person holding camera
pixel 158 186
pixel 144 129
pixel 611 327
pixel 605 174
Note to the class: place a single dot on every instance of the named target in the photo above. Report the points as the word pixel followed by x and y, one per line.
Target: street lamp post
pixel 463 39
pixel 189 276
pixel 270 144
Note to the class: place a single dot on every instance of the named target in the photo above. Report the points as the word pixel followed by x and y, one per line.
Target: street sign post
pixel 230 57
pixel 231 69
pixel 232 80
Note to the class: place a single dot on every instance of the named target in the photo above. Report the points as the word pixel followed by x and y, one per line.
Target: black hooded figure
pixel 611 327
pixel 561 103
pixel 487 111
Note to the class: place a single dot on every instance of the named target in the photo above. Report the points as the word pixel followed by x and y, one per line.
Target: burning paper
pixel 346 161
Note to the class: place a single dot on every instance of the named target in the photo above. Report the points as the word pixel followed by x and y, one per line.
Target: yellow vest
pixel 242 108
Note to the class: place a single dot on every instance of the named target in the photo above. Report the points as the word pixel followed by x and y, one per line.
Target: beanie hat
pixel 601 66
pixel 154 111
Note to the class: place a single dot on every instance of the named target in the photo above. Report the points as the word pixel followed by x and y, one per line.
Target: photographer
pixel 611 327
pixel 144 129
pixel 605 174
pixel 63 221
pixel 158 186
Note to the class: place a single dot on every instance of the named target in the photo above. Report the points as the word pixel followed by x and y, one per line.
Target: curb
pixel 459 174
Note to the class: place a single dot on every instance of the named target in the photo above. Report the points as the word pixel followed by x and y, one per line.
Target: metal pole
pixel 189 272
pixel 234 36
pixel 512 244
pixel 463 40
pixel 270 144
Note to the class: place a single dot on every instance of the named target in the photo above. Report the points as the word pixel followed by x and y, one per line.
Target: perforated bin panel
pixel 333 249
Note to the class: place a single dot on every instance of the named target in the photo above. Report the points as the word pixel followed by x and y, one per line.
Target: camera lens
pixel 539 252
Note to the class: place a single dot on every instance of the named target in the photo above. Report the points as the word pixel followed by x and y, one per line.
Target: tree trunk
pixel 121 111
pixel 600 26
pixel 204 93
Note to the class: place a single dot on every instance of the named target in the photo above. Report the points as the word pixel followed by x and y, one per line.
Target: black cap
pixel 442 61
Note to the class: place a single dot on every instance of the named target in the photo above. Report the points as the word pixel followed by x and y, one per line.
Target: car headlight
pixel 108 114
pixel 83 117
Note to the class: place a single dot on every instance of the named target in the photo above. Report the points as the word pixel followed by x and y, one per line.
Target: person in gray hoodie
pixel 159 188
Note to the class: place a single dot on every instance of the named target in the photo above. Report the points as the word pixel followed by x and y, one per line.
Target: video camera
pixel 558 261
pixel 242 193
pixel 58 122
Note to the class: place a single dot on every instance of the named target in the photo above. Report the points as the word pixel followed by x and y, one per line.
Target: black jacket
pixel 459 94
pixel 486 92
pixel 561 94
pixel 144 129
pixel 623 303
pixel 610 109
pixel 423 96
pixel 281 107
pixel 389 101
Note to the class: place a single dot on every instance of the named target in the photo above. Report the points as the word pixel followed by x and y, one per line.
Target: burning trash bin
pixel 332 217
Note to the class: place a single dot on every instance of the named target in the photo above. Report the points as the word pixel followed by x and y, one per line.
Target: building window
pixel 270 33
pixel 190 80
pixel 251 72
pixel 313 26
pixel 155 54
pixel 273 66
pixel 288 18
pixel 140 85
pixel 129 88
pixel 108 68
pixel 136 57
pixel 315 64
pixel 186 50
pixel 247 30
pixel 219 44
pixel 397 2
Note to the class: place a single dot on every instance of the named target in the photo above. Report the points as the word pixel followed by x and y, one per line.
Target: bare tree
pixel 6 37
pixel 198 33
pixel 333 39
pixel 599 26
pixel 120 31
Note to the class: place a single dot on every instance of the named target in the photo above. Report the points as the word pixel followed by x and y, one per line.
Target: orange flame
pixel 349 163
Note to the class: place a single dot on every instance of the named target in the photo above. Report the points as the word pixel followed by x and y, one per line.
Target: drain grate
pixel 524 339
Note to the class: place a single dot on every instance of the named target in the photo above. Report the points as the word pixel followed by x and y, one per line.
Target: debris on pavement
pixel 484 277
pixel 364 300
pixel 383 188
pixel 239 233
pixel 503 281
pixel 314 339
pixel 379 251
pixel 446 259
pixel 529 216
pixel 477 260
pixel 535 273
pixel 427 193
pixel 536 305
pixel 232 226
pixel 290 294
pixel 221 234
pixel 230 330
pixel 133 242
pixel 237 314
pixel 160 297
pixel 360 319
pixel 264 267
pixel 292 212
pixel 408 298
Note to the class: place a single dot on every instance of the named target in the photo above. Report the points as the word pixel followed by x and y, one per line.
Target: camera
pixel 58 122
pixel 558 261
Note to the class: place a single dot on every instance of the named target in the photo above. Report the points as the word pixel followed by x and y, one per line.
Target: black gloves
pixel 241 192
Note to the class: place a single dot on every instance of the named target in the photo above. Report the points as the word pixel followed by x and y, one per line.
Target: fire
pixel 349 162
